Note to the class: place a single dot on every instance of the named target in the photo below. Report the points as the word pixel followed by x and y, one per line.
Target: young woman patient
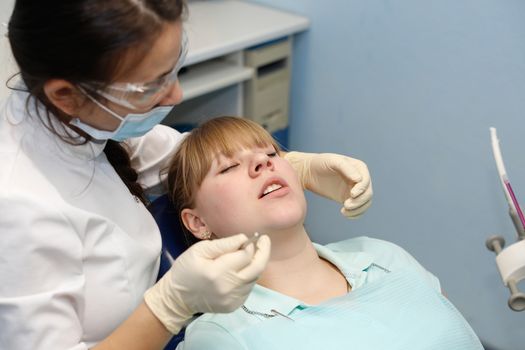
pixel 361 293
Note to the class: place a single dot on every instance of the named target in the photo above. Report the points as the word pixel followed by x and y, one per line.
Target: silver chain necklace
pixel 273 313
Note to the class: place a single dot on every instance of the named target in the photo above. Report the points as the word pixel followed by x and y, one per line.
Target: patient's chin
pixel 285 220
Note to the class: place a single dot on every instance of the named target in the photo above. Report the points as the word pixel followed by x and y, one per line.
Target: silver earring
pixel 206 235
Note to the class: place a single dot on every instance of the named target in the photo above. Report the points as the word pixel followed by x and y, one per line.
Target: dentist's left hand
pixel 211 276
pixel 343 179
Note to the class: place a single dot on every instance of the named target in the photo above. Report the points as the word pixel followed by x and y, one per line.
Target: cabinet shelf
pixel 202 78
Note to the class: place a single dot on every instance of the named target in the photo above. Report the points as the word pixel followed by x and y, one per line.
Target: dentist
pixel 80 145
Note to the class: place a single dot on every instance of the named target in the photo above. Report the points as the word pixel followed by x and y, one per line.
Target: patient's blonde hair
pixel 194 157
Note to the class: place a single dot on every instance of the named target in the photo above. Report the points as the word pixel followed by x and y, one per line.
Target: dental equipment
pixel 514 209
pixel 253 239
pixel 511 260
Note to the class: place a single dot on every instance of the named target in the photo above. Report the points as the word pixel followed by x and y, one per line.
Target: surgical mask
pixel 132 125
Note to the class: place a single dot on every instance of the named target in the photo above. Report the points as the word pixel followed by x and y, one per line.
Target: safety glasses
pixel 142 95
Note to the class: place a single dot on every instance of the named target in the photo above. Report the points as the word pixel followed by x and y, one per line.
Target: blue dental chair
pixel 173 243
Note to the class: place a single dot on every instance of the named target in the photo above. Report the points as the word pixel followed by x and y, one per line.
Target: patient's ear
pixel 194 223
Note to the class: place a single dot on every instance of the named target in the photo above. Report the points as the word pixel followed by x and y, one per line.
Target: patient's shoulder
pixel 216 331
pixel 226 321
pixel 384 253
pixel 208 335
pixel 373 246
pixel 370 250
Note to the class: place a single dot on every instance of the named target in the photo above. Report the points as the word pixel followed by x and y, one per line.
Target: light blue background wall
pixel 412 87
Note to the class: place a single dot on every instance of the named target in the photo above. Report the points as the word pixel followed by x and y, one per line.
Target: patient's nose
pixel 260 162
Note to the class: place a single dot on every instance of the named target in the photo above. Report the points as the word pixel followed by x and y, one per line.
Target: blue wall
pixel 412 87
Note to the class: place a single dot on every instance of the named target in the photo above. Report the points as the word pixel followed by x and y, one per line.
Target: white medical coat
pixel 77 250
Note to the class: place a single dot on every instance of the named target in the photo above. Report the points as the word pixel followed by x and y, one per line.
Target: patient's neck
pixel 295 269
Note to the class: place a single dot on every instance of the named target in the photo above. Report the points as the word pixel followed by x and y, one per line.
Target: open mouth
pixel 271 186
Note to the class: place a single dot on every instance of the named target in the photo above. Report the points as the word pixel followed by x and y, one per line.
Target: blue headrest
pixel 173 242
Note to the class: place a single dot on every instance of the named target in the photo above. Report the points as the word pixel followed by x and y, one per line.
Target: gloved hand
pixel 340 178
pixel 211 276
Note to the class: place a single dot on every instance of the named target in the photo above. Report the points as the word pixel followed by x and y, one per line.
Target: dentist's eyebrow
pixel 162 75
pixel 167 72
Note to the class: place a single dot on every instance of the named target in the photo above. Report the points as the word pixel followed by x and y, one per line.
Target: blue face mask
pixel 132 125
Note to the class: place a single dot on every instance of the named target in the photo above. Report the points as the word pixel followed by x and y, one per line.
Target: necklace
pixel 265 315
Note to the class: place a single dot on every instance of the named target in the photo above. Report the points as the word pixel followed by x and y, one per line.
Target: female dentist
pixel 79 145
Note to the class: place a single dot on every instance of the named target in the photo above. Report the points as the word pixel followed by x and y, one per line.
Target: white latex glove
pixel 211 276
pixel 340 178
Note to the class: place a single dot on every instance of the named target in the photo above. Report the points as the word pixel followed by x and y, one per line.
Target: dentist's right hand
pixel 211 276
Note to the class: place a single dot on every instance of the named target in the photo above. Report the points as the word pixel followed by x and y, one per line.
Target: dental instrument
pixel 253 239
pixel 511 260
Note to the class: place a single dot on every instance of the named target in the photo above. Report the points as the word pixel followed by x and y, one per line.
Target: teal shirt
pixel 361 260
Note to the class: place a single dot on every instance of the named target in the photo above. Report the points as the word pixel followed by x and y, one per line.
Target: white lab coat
pixel 77 250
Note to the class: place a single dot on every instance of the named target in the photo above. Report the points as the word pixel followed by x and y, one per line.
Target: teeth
pixel 271 188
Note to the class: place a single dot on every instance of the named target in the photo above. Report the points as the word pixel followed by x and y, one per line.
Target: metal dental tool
pixel 253 239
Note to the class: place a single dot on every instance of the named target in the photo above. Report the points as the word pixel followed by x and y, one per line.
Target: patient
pixel 361 293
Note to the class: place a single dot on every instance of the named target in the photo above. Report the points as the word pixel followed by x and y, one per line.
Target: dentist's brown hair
pixel 83 41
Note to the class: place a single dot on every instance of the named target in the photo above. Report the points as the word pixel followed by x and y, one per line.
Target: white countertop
pixel 219 27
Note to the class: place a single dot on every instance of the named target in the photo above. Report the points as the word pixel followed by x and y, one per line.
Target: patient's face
pixel 254 191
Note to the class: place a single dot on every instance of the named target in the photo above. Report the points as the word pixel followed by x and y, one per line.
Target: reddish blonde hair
pixel 194 157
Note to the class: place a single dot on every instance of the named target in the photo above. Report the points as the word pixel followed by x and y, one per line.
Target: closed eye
pixel 225 170
pixel 273 154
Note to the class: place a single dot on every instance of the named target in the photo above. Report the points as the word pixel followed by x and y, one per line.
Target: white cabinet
pixel 224 66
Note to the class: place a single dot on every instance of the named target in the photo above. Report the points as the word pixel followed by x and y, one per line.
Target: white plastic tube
pixel 515 211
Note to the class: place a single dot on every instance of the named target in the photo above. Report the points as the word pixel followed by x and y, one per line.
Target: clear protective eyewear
pixel 143 95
